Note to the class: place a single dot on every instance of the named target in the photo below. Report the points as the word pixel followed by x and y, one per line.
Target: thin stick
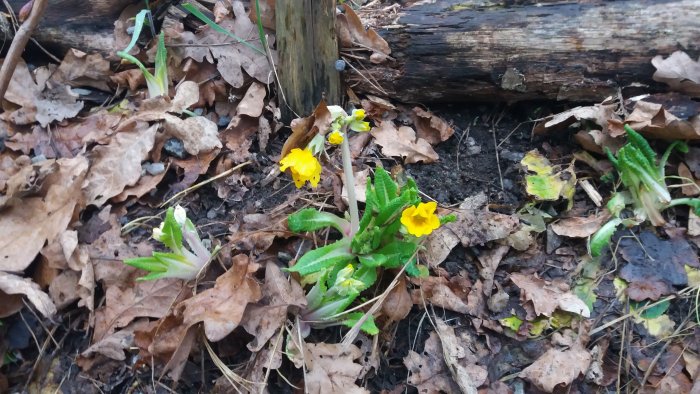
pixel 200 184
pixel 350 184
pixel 19 42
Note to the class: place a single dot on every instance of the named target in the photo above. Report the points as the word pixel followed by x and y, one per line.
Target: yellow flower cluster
pixel 303 165
pixel 420 220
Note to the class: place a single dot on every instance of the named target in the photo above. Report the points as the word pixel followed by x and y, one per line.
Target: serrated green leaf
pixel 640 143
pixel 172 233
pixel 369 326
pixel 372 260
pixel 392 209
pixel 310 219
pixel 397 253
pixel 366 275
pixel 385 187
pixel 324 257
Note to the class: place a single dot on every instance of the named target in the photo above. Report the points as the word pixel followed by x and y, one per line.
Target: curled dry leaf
pixel 580 227
pixel 456 294
pixel 402 142
pixel 167 340
pixel 253 102
pixel 678 71
pixel 558 366
pixel 598 114
pixel 24 228
pixel 118 164
pixel 489 260
pixel 221 308
pixel 431 127
pixel 331 368
pixel 304 129
pixel 352 33
pixel 397 304
pixel 546 297
pixel 654 121
pixel 13 284
pixel 80 69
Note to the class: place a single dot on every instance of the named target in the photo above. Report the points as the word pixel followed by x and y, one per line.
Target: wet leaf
pixel 402 142
pixel 546 184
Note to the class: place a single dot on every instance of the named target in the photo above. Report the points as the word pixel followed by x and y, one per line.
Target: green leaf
pixel 138 26
pixel 602 237
pixel 392 210
pixel 310 219
pixel 194 11
pixel 150 264
pixel 369 326
pixel 161 69
pixel 640 143
pixel 324 257
pixel 372 260
pixel 385 187
pixel 366 275
pixel 653 312
pixel 172 233
pixel 397 253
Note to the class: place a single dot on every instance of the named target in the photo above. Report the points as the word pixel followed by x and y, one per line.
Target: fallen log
pixel 451 51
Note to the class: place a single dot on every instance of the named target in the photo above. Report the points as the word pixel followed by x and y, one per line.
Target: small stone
pixel 340 65
pixel 224 121
pixel 515 157
pixel 38 159
pixel 175 147
pixel 198 111
pixel 211 214
pixel 153 168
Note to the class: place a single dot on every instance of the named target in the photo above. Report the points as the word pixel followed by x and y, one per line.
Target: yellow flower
pixel 303 166
pixel 356 123
pixel 335 137
pixel 420 220
pixel 358 114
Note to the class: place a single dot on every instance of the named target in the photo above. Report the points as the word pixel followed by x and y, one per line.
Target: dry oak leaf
pixel 130 299
pixel 548 297
pixel 331 369
pixel 428 371
pixel 280 293
pixel 25 227
pixel 231 60
pixel 456 294
pixel 253 102
pixel 598 113
pixel 168 341
pixel 221 308
pixel 402 142
pixel 352 32
pixel 80 69
pixel 580 227
pixel 679 71
pixel 558 366
pixel 42 101
pixel 431 127
pixel 13 284
pixel 118 164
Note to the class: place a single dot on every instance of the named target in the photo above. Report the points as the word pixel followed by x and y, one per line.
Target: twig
pixel 18 43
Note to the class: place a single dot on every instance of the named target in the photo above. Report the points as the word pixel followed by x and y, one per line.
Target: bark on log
pixel 85 25
pixel 451 51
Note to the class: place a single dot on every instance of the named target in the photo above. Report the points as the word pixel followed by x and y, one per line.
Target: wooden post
pixel 308 49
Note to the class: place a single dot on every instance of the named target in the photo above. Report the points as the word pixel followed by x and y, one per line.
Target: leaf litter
pixel 78 187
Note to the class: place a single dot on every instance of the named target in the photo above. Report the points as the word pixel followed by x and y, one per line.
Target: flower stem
pixel 350 185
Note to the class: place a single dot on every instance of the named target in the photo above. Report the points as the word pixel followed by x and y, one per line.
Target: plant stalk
pixel 350 184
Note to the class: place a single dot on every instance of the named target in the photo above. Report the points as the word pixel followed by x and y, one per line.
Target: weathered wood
pixel 449 51
pixel 87 25
pixel 307 48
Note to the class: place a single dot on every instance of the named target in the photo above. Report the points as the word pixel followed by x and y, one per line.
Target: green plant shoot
pixel 180 262
pixel 643 176
pixel 388 234
pixel 158 82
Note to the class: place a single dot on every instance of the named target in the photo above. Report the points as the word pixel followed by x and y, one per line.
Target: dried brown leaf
pixel 428 371
pixel 580 227
pixel 304 129
pixel 678 71
pixel 558 366
pixel 331 368
pixel 80 69
pixel 397 304
pixel 24 228
pixel 253 102
pixel 431 127
pixel 221 308
pixel 13 284
pixel 546 297
pixel 280 294
pixel 402 142
pixel 600 114
pixel 352 33
pixel 460 358
pixel 654 121
pixel 456 294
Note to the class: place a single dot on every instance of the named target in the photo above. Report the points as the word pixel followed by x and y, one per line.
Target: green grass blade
pixel 138 26
pixel 261 32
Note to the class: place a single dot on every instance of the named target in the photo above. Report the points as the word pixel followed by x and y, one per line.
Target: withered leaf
pixel 402 142
pixel 332 369
pixel 548 297
pixel 678 71
pixel 13 284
